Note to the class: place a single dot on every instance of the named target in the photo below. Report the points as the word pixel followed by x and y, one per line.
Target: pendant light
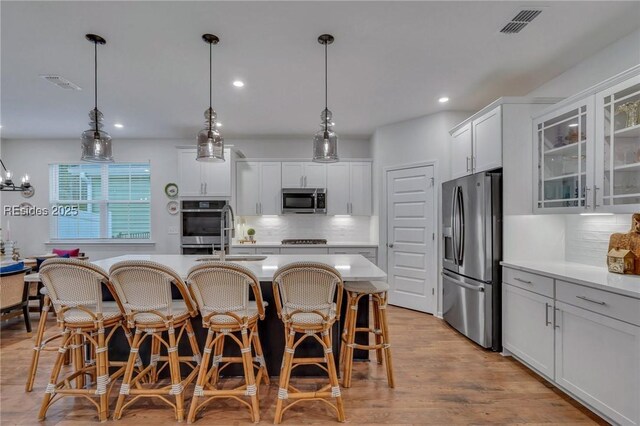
pixel 325 141
pixel 210 143
pixel 96 143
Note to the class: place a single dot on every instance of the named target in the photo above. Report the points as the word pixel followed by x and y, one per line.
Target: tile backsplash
pixel 587 237
pixel 333 228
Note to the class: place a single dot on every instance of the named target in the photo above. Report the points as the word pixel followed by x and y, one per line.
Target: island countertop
pixel 352 267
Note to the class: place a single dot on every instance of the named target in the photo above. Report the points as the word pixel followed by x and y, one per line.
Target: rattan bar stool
pixel 75 290
pixel 144 289
pixel 221 291
pixel 304 293
pixel 377 292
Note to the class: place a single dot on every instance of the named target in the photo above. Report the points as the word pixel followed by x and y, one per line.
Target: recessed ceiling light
pixel 238 83
pixel 443 99
pixel 118 125
pixel 218 124
pixel 573 125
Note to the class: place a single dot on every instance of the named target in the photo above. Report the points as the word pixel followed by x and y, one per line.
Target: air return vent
pixel 521 20
pixel 60 81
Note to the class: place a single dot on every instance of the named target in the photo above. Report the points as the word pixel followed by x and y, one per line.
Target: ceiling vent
pixel 521 20
pixel 60 81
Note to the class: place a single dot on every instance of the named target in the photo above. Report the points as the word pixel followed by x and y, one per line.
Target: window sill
pixel 100 242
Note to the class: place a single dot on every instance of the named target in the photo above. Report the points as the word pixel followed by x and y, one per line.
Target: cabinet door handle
pixel 201 188
pixel 473 163
pixel 468 163
pixel 256 208
pixel 555 317
pixel 598 302
pixel 305 181
pixel 595 196
pixel 586 198
pixel 522 281
pixel 260 208
pixel 546 314
pixel 205 187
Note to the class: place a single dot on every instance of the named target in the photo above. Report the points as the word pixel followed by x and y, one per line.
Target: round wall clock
pixel 171 189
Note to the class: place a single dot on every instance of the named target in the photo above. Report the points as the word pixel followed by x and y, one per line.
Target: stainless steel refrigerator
pixel 472 238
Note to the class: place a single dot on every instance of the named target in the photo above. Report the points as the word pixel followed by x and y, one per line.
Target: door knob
pixel 390 245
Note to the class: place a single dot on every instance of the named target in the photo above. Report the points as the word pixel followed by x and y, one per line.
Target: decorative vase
pixel 631 110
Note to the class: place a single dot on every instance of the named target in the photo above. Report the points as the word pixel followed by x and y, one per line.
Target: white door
pixel 315 175
pixel 189 178
pixel 338 188
pixel 292 175
pixel 461 151
pixel 411 254
pixel 247 188
pixel 598 360
pixel 360 189
pixel 487 141
pixel 270 188
pixel 216 177
pixel 524 310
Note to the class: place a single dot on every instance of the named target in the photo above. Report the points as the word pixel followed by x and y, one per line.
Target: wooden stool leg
pixel 352 315
pixel 262 372
pixel 377 328
pixel 217 356
pixel 51 387
pixel 247 363
pixel 102 374
pixel 202 376
pixel 35 357
pixel 333 375
pixel 345 329
pixel 195 349
pixel 128 374
pixel 154 358
pixel 176 379
pixel 385 339
pixel 285 373
pixel 77 355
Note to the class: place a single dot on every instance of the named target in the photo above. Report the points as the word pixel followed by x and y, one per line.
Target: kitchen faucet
pixel 226 211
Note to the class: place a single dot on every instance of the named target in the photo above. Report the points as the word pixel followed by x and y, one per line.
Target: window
pixel 100 201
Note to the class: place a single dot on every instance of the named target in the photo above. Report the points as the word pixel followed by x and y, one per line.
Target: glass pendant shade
pixel 325 141
pixel 96 143
pixel 210 143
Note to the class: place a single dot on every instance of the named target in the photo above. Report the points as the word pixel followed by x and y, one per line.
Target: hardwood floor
pixel 441 379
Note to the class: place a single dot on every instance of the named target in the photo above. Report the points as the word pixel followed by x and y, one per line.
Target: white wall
pixel 414 141
pixel 613 59
pixel 34 156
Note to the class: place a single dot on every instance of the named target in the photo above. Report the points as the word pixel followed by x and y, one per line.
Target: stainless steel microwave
pixel 304 200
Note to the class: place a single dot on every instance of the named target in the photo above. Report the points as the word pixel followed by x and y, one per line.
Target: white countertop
pixel 352 267
pixel 591 276
pixel 329 244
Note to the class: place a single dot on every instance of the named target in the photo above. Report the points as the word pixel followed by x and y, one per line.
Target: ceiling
pixel 391 61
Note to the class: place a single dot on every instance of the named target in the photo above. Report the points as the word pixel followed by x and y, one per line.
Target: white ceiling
pixel 390 62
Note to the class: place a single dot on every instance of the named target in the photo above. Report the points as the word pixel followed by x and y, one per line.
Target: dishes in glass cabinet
pixel 632 110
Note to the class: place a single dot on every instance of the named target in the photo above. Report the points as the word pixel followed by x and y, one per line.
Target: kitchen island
pixel 351 267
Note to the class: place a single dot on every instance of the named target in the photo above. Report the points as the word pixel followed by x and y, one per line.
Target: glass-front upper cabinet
pixel 564 159
pixel 618 147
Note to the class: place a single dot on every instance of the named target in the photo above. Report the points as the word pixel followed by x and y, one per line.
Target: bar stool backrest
pixel 307 287
pixel 219 287
pixel 71 283
pixel 146 286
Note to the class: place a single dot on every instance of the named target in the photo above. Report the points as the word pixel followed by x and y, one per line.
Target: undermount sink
pixel 232 257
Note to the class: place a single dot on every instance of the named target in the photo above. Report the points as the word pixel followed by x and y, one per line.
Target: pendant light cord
pixel 95 84
pixel 326 85
pixel 210 85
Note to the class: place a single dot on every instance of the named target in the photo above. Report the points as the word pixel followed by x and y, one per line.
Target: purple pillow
pixel 69 253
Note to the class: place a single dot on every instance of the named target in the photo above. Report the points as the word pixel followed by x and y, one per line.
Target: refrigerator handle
pixel 453 224
pixel 461 219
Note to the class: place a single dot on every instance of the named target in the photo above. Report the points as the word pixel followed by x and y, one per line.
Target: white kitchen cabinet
pixel 349 188
pixel 267 250
pixel 370 253
pixel 487 141
pixel 527 330
pixel 201 178
pixel 242 250
pixel 461 151
pixel 587 150
pixel 258 186
pixel 598 361
pixel 476 146
pixel 304 250
pixel 304 175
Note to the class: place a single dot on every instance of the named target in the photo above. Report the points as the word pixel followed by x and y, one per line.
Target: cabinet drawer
pixel 303 250
pixel 610 304
pixel 267 250
pixel 528 281
pixel 243 250
pixel 365 251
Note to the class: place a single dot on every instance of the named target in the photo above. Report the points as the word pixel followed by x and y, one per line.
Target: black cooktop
pixel 304 241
